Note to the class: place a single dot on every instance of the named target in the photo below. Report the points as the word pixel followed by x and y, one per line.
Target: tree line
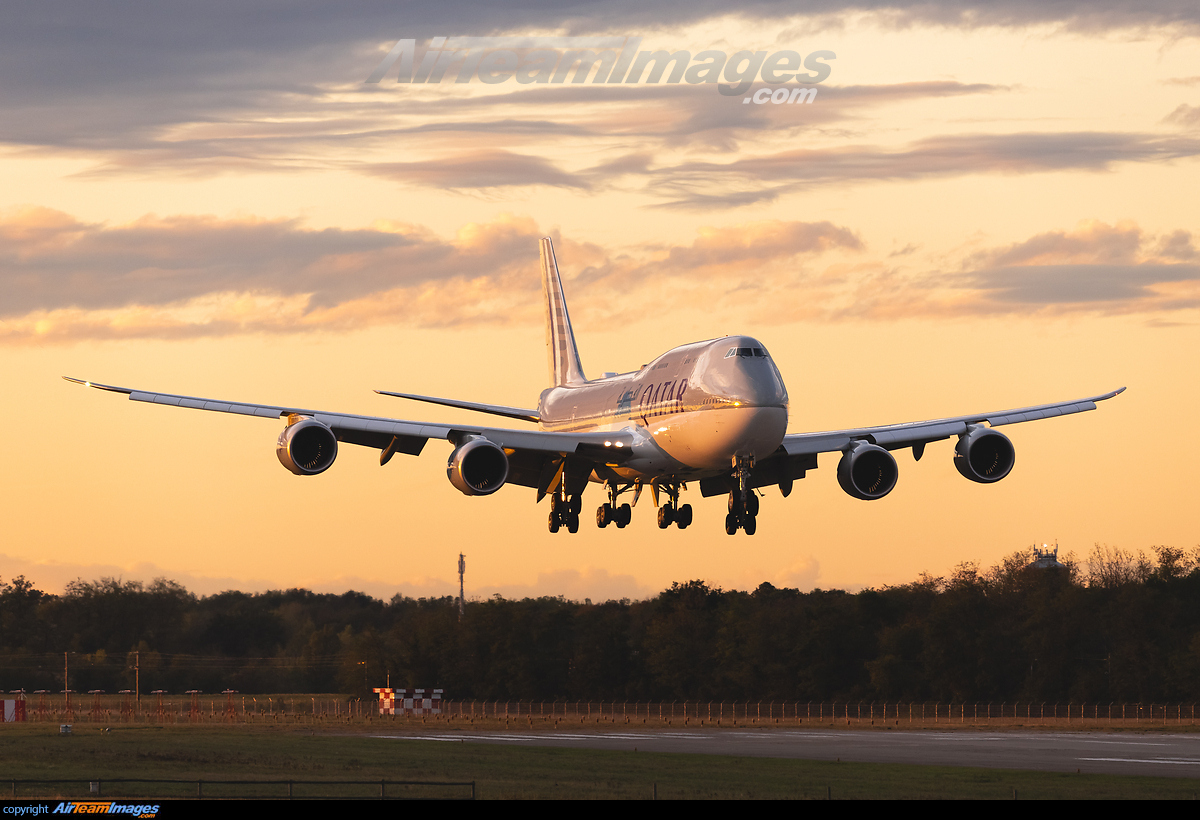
pixel 1114 627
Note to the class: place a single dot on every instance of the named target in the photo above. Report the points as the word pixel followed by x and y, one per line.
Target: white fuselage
pixel 694 410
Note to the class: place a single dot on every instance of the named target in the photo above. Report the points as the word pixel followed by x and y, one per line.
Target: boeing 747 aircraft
pixel 712 413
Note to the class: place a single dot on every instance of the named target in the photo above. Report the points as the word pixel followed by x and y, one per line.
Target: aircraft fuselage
pixel 695 408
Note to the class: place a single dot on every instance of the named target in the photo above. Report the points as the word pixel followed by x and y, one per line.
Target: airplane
pixel 712 413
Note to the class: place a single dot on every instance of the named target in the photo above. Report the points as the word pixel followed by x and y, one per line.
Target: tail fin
pixel 560 341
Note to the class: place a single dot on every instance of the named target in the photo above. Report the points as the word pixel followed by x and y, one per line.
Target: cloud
pixel 1096 266
pixel 50 260
pixel 1186 115
pixel 1079 284
pixel 185 276
pixel 576 585
pixel 217 85
pixel 1090 242
pixel 181 276
pixel 689 184
pixel 482 169
pixel 802 574
pixel 590 582
pixel 495 138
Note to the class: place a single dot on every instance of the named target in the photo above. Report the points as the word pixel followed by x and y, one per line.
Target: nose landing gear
pixel 743 503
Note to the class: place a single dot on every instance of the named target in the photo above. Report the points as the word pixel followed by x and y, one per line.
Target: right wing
pixel 537 457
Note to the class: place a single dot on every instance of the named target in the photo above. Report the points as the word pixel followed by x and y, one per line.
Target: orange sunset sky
pixel 987 205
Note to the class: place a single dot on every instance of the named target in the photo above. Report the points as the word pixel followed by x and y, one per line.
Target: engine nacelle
pixel 478 467
pixel 867 471
pixel 306 447
pixel 984 455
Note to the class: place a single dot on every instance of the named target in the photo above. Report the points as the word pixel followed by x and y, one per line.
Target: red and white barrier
pixel 14 711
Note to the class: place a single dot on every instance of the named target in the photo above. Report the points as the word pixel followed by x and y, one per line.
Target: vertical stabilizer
pixel 560 341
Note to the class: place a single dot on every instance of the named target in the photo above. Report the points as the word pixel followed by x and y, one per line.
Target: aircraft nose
pixel 756 383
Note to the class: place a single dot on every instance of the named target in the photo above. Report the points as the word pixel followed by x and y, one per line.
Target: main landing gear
pixel 670 512
pixel 564 512
pixel 743 503
pixel 611 512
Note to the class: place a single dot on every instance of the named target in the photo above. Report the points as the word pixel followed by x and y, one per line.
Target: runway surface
pixel 1098 753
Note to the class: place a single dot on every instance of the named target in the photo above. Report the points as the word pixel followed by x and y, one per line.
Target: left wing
pixel 537 458
pixel 916 434
pixel 798 452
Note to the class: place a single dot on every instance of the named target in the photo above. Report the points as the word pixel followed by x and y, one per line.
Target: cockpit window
pixel 746 352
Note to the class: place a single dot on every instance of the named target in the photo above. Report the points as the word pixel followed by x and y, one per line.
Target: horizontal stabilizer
pixel 495 409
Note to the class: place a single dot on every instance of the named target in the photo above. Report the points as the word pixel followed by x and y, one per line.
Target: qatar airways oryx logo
pixel 607 61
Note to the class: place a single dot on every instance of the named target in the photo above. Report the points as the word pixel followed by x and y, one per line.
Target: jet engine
pixel 306 447
pixel 984 455
pixel 867 471
pixel 477 467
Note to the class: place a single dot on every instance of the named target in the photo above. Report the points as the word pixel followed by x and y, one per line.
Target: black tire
pixel 666 515
pixel 572 522
pixel 603 516
pixel 624 515
pixel 751 504
pixel 731 524
pixel 553 523
pixel 683 516
pixel 750 525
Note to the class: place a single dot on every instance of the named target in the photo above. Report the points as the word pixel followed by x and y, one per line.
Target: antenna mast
pixel 462 570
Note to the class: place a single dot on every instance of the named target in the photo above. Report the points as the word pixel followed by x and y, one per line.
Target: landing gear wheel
pixel 751 505
pixel 572 522
pixel 623 516
pixel 666 515
pixel 604 515
pixel 750 524
pixel 683 516
pixel 731 524
pixel 553 521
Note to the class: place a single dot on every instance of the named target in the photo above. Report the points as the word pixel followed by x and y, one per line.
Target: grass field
pixel 37 751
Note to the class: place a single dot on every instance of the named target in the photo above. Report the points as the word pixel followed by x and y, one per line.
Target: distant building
pixel 1045 558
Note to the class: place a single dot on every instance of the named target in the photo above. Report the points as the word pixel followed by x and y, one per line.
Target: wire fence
pixel 197 708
